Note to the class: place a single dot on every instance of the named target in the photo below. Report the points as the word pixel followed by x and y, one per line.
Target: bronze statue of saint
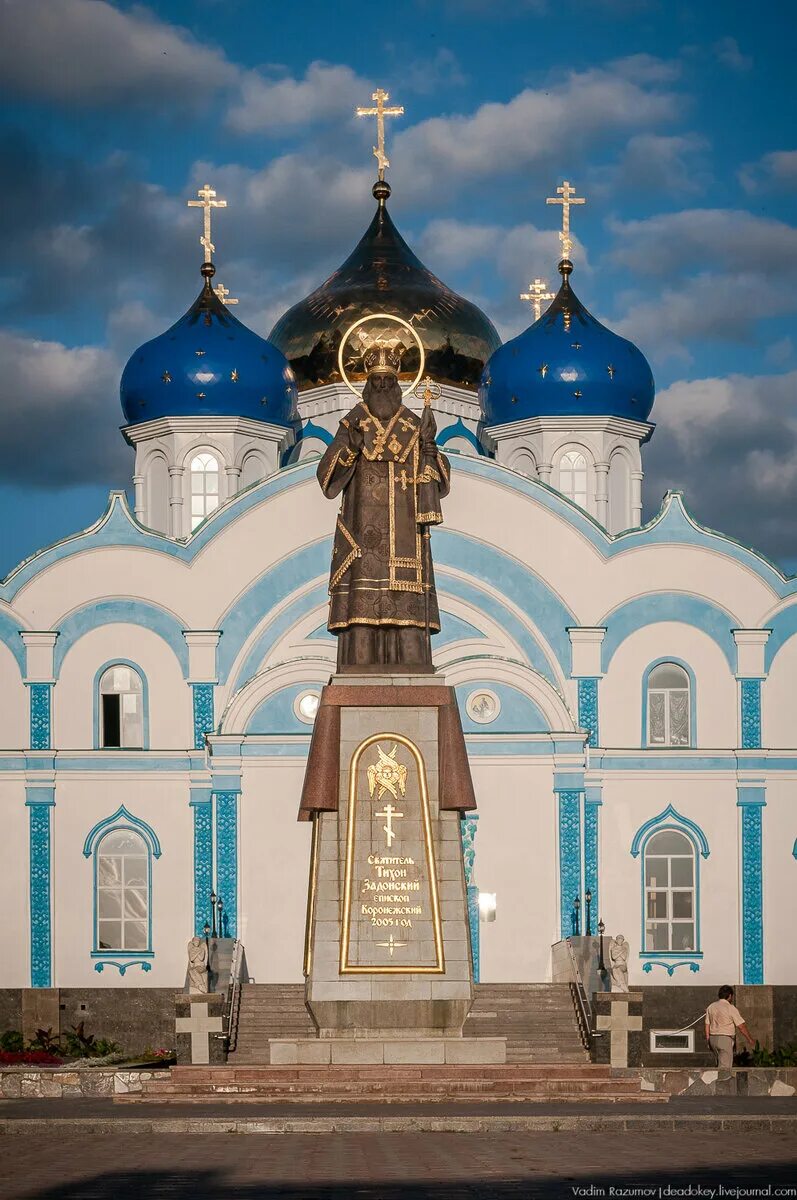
pixel 384 459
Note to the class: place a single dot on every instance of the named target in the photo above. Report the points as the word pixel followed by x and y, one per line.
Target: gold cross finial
pixel 207 200
pixel 427 390
pixel 380 112
pixel 536 294
pixel 223 293
pixel 566 195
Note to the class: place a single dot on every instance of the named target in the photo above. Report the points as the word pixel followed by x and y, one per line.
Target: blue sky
pixel 674 119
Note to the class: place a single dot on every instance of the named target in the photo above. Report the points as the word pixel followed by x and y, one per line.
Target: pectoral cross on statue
pixel 389 812
pixel 380 112
pixel 536 294
pixel 207 200
pixel 566 196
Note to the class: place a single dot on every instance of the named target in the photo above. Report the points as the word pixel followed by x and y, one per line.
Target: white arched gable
pixel 517 675
pixel 245 703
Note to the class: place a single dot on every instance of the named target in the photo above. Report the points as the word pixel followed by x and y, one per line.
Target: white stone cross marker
pixel 620 1025
pixel 200 1026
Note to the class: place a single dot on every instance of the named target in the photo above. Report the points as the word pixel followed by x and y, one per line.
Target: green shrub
pixel 12 1041
pixel 46 1040
pixel 782 1056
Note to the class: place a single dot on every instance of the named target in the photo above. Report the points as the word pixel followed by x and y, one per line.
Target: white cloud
pixel 658 163
pixel 326 93
pixel 51 395
pixel 693 238
pixel 730 55
pixel 529 130
pixel 731 444
pixel 89 51
pixel 775 170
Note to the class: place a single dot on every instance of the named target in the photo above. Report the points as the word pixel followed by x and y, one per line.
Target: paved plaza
pixel 401 1166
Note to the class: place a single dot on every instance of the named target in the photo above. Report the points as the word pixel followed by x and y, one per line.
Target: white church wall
pixel 629 801
pixel 778 708
pixel 14 703
pixel 715 699
pixel 779 876
pixel 81 802
pixel 14 878
pixel 274 872
pixel 516 854
pixel 167 696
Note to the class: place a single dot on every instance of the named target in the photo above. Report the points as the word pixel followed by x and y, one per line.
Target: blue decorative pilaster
pixel 40 715
pixel 468 827
pixel 592 805
pixel 202 805
pixel 588 709
pixel 227 858
pixel 569 857
pixel 751 800
pixel 39 801
pixel 203 712
pixel 750 704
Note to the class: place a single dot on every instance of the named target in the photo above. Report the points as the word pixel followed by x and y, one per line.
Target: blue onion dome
pixel 209 364
pixel 382 275
pixel 566 364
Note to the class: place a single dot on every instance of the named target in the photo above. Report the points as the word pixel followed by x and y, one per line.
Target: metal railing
pixel 234 996
pixel 581 1000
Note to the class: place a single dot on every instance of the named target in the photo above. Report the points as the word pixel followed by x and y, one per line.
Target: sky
pixel 673 118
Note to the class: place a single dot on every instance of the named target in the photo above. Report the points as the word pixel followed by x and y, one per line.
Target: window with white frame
pixel 669 706
pixel 122 896
pixel 204 487
pixel 670 868
pixel 573 477
pixel 121 709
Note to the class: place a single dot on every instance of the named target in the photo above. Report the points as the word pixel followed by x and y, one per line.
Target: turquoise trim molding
pixel 670 967
pixel 227 858
pixel 670 818
pixel 592 807
pixel 39 802
pixel 10 629
pixel 97 720
pixel 569 857
pixel 679 662
pixel 204 720
pixel 125 612
pixel 750 713
pixel 468 828
pixel 40 715
pixel 121 819
pixel 752 801
pixel 588 709
pixel 669 606
pixel 460 429
pixel 201 803
pixel 783 626
pixel 122 967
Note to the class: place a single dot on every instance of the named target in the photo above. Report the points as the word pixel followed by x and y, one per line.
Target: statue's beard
pixel 383 402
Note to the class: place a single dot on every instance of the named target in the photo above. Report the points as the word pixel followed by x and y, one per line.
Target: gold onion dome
pixel 382 275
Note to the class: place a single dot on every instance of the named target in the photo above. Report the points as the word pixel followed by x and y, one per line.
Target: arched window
pixel 158 494
pixel 523 462
pixel 121 709
pixel 204 487
pixel 669 706
pixel 670 896
pixel 122 892
pixel 253 470
pixel 573 476
pixel 619 493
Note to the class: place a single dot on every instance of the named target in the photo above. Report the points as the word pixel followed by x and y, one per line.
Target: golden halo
pixel 380 316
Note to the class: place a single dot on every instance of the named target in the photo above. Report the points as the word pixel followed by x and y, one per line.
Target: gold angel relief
pixel 387 774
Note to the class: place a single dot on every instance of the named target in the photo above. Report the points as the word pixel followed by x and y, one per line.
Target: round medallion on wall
pixel 483 706
pixel 305 706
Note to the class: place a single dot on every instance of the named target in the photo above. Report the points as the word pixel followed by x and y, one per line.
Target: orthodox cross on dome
pixel 536 294
pixel 380 112
pixel 207 200
pixel 223 294
pixel 566 195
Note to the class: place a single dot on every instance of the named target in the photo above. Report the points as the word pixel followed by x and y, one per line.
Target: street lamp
pixel 588 898
pixel 213 931
pixel 601 963
pixel 576 916
pixel 220 907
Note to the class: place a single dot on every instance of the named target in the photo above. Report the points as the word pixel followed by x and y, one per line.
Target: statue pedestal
pixel 387 956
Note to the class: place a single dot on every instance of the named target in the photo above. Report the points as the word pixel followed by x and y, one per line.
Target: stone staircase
pixel 269 1010
pixel 538 1021
pixel 511 1082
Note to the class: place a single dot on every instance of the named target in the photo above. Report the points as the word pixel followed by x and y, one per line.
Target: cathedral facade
pixel 626 690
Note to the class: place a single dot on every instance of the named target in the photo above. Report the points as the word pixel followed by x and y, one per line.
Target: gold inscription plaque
pixel 391 905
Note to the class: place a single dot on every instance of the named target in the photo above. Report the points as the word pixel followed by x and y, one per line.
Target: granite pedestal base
pixel 342 1051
